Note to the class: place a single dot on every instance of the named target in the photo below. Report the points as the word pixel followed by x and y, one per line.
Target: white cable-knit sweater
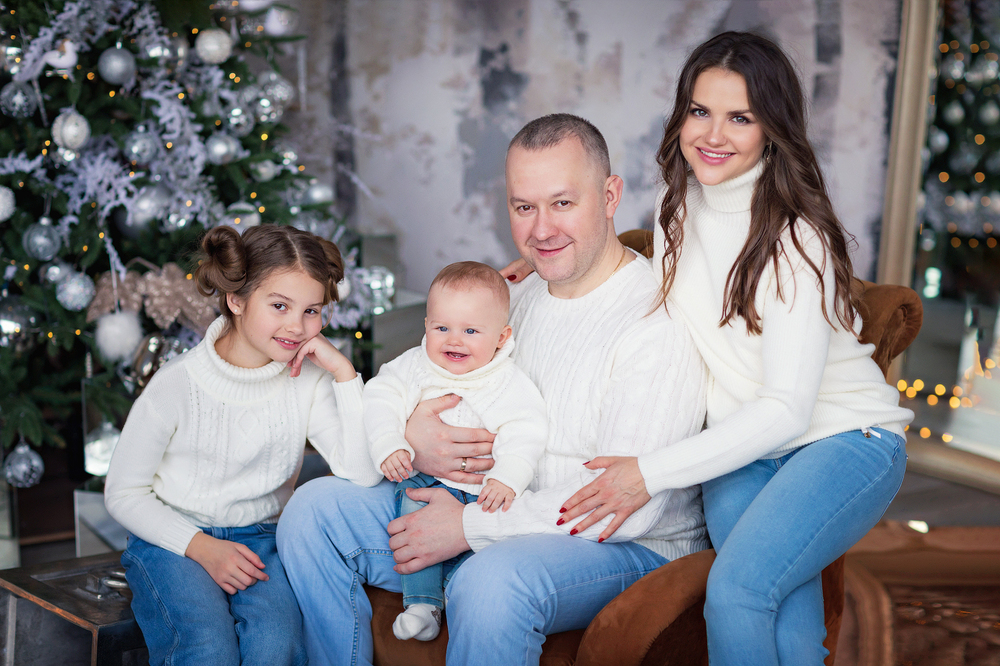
pixel 209 444
pixel 801 380
pixel 616 380
pixel 497 396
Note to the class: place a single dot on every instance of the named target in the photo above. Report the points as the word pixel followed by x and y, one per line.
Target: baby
pixel 466 351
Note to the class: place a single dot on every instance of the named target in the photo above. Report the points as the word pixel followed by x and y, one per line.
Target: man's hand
pixel 231 565
pixel 620 490
pixel 440 449
pixel 516 271
pixel 495 495
pixel 430 535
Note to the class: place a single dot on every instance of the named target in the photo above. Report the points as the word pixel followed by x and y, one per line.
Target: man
pixel 618 381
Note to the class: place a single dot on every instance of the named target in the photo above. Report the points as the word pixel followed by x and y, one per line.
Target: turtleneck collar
pixel 227 381
pixel 498 360
pixel 735 194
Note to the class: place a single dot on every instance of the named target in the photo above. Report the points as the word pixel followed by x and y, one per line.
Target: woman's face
pixel 720 137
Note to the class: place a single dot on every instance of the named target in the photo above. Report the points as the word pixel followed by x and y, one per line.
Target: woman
pixel 804 447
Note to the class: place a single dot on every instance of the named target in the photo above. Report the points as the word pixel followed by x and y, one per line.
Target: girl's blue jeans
pixel 776 524
pixel 186 618
pixel 427 585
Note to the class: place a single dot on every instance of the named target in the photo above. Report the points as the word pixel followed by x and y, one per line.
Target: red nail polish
pixel 562 510
pixel 601 540
pixel 586 463
pixel 572 531
pixel 511 277
pixel 560 521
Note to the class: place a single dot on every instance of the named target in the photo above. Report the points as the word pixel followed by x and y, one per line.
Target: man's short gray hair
pixel 550 130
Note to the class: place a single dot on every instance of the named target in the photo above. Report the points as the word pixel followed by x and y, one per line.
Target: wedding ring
pixel 462 468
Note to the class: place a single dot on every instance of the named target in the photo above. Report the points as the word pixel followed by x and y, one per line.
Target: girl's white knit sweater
pixel 801 380
pixel 209 444
pixel 617 381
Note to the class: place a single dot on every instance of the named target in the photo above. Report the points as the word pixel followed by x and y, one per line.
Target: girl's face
pixel 720 138
pixel 271 325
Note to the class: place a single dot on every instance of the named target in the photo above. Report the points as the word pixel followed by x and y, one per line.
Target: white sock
pixel 419 621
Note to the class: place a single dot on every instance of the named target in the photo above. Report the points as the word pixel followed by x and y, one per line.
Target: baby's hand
pixel 397 466
pixel 322 352
pixel 495 495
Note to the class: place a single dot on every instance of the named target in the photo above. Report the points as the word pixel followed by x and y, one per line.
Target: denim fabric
pixel 775 525
pixel 501 602
pixel 427 585
pixel 186 618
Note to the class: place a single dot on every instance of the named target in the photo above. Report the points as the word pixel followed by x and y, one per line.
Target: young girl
pixel 804 448
pixel 213 445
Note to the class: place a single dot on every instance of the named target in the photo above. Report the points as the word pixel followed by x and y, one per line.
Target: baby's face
pixel 464 327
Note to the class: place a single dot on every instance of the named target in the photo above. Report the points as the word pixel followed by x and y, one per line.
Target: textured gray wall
pixel 438 87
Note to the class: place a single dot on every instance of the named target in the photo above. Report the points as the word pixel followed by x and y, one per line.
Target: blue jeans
pixel 186 618
pixel 427 585
pixel 501 602
pixel 776 524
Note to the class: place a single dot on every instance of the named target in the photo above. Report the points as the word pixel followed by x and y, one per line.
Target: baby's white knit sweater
pixel 498 397
pixel 209 444
pixel 617 381
pixel 801 380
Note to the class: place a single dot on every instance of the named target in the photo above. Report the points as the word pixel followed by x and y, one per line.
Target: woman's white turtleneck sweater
pixel 801 380
pixel 497 396
pixel 210 444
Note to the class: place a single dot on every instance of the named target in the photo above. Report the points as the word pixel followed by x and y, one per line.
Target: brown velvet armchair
pixel 658 620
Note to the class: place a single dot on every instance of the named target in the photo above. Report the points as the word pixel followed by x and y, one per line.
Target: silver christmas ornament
pixel 98 446
pixel 75 292
pixel 70 130
pixel 937 139
pixel 263 171
pixel 54 272
pixel 242 215
pixel 222 148
pixel 989 113
pixel 18 324
pixel 254 5
pixel 318 193
pixel 41 240
pixel 953 68
pixel 266 110
pixel 6 203
pixel 116 65
pixel 286 154
pixel 238 120
pixel 252 26
pixel 141 146
pixel 174 222
pixel 23 468
pixel 17 100
pixel 10 59
pixel 954 113
pixel 277 88
pixel 380 283
pixel 150 204
pixel 280 22
pixel 214 46
pixel 62 156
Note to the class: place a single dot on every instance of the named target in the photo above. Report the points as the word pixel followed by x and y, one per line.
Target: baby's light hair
pixel 466 274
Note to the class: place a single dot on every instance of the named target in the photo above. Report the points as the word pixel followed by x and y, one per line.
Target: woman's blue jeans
pixel 776 524
pixel 502 601
pixel 427 585
pixel 186 618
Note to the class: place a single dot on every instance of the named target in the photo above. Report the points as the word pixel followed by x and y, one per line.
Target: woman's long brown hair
pixel 790 191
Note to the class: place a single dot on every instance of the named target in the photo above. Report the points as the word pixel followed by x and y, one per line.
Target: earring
pixel 768 151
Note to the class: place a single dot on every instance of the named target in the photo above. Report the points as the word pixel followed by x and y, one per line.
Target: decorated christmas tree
pixel 127 129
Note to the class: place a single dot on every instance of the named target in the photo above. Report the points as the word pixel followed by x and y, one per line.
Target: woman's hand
pixel 444 451
pixel 231 565
pixel 516 271
pixel 321 351
pixel 620 490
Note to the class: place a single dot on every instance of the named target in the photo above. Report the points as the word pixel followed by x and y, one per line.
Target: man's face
pixel 560 208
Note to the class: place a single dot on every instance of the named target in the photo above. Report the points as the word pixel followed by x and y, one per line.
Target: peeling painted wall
pixel 438 87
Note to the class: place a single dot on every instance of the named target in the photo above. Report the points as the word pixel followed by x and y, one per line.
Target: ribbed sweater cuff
pixel 481 527
pixel 178 535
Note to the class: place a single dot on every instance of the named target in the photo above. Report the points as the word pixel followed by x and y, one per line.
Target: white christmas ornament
pixel 70 130
pixel 75 292
pixel 242 215
pixel 41 240
pixel 318 193
pixel 280 22
pixel 343 289
pixel 222 148
pixel 63 57
pixel 98 446
pixel 277 88
pixel 118 334
pixel 116 65
pixel 150 204
pixel 989 113
pixel 55 272
pixel 6 203
pixel 264 171
pixel 254 5
pixel 214 45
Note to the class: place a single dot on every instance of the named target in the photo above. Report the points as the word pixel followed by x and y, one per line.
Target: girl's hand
pixel 231 565
pixel 397 466
pixel 620 490
pixel 495 495
pixel 321 351
pixel 516 271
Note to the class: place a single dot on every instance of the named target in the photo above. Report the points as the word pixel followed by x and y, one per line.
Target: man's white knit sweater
pixel 617 381
pixel 209 444
pixel 801 380
pixel 497 396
